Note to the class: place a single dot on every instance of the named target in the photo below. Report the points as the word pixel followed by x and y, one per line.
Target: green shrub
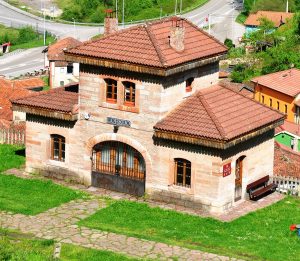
pixel 27 34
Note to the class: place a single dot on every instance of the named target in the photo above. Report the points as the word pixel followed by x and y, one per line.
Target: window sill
pixel 180 189
pixel 116 106
pixel 57 163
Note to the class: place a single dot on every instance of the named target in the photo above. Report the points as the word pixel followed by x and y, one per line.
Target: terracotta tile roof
pixel 28 83
pixel 56 50
pixel 7 93
pixel 148 44
pixel 276 17
pixel 290 127
pixel 287 82
pixel 238 87
pixel 217 113
pixel 62 99
pixel 286 162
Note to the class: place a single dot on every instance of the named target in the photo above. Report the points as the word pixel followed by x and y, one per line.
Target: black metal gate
pixel 117 166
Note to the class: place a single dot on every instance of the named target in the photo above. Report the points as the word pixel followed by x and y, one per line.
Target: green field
pixel 261 235
pixel 11 157
pixel 93 11
pixel 23 38
pixel 31 196
pixel 28 196
pixel 19 247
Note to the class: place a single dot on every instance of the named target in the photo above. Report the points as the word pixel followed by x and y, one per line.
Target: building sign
pixel 226 170
pixel 118 122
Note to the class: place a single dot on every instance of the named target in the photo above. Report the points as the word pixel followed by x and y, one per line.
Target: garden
pixel 260 235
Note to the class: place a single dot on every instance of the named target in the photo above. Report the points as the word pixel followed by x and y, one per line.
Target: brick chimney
pixel 110 22
pixel 177 35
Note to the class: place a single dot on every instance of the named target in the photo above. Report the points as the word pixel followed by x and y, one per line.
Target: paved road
pixel 16 19
pixel 221 12
pixel 17 63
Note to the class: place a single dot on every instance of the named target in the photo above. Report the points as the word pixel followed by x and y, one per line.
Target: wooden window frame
pixel 271 102
pixel 187 172
pixel 61 153
pixel 188 84
pixel 113 84
pixel 278 105
pixel 285 109
pixel 131 87
pixel 263 99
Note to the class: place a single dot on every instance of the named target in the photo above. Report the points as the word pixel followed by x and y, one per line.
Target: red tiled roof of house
pixel 58 99
pixel 276 17
pixel 56 50
pixel 28 83
pixel 148 44
pixel 7 93
pixel 286 162
pixel 238 87
pixel 290 127
pixel 286 82
pixel 218 113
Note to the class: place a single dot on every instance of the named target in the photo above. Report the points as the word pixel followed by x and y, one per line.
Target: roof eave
pixel 160 71
pixel 67 116
pixel 216 143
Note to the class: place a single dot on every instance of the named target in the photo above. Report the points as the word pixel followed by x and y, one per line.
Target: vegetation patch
pixel 24 38
pixel 11 157
pixel 94 10
pixel 32 196
pixel 261 235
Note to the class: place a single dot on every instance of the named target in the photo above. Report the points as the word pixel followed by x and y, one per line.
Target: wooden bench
pixel 260 187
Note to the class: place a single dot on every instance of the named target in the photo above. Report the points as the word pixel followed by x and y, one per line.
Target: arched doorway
pixel 238 178
pixel 118 166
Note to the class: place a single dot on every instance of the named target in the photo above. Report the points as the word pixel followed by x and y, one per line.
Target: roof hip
pixel 212 115
pixel 156 47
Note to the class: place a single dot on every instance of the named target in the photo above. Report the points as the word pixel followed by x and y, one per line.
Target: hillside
pixel 93 10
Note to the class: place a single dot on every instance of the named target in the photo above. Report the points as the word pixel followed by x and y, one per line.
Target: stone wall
pixel 156 96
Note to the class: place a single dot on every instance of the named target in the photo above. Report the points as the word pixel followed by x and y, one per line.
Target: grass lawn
pixel 11 157
pixel 32 196
pixel 262 235
pixel 34 43
pixel 20 247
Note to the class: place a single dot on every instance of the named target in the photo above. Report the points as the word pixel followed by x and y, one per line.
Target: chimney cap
pixel 177 21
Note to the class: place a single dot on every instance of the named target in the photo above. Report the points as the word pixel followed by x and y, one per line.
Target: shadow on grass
pixel 21 152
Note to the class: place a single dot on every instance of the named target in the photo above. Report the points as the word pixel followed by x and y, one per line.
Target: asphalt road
pixel 222 16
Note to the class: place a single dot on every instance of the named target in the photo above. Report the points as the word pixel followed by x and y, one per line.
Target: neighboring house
pixel 280 91
pixel 13 89
pixel 62 72
pixel 288 134
pixel 253 21
pixel 150 118
pixel 286 162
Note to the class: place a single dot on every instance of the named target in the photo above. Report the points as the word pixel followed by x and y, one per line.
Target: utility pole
pixel 175 7
pixel 287 6
pixel 209 21
pixel 74 28
pixel 123 18
pixel 160 12
pixel 44 28
pixel 117 9
pixel 180 6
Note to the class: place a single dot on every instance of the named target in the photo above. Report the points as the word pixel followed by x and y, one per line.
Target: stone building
pixel 149 117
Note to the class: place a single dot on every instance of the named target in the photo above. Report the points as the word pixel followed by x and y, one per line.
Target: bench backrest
pixel 258 183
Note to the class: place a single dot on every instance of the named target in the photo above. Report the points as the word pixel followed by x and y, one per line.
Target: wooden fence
pixel 287 185
pixel 14 134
